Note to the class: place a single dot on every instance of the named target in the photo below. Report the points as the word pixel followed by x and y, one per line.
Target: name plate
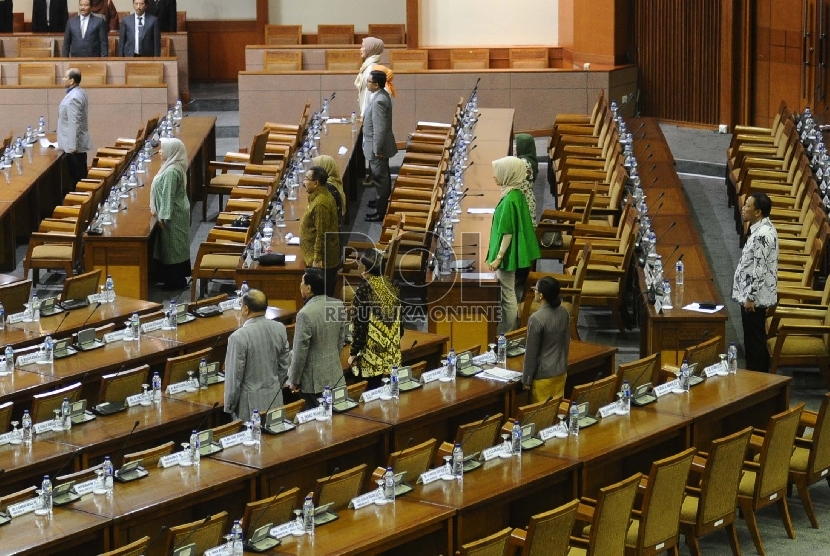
pixel 218 551
pixel 371 395
pixel 713 370
pixel 22 508
pixel 28 359
pixel 432 376
pixel 86 487
pixel 234 439
pixel 135 400
pixel 116 336
pixel 6 438
pixel 432 475
pixel 482 359
pixel 308 415
pixel 152 326
pixel 492 452
pixel 97 298
pixel 176 388
pixel 15 318
pixel 45 426
pixel 666 388
pixel 608 410
pixel 548 433
pixel 229 305
pixel 171 460
pixel 283 530
pixel 366 499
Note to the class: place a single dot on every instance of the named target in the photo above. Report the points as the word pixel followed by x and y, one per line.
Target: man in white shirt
pixel 86 35
pixel 140 34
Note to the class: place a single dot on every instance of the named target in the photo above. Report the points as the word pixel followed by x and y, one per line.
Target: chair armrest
pixel 518 538
pixel 225 166
pixel 808 418
pixel 237 157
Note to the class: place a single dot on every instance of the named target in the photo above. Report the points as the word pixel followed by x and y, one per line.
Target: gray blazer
pixel 547 344
pixel 256 366
pixel 319 336
pixel 93 45
pixel 377 127
pixel 149 43
pixel 73 126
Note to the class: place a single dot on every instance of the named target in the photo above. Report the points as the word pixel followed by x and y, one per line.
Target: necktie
pixel 138 32
pixel 83 26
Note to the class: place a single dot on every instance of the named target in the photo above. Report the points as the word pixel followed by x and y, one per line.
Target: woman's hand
pixel 493 266
pixel 317 264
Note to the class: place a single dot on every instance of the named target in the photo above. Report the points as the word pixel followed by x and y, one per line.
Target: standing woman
pixel 513 243
pixel 106 9
pixel 546 347
pixel 370 51
pixel 169 204
pixel 334 183
pixel 526 150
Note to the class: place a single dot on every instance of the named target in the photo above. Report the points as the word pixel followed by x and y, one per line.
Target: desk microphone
pixel 409 443
pixel 101 392
pixel 55 331
pixel 590 385
pixel 648 146
pixel 212 275
pixel 89 316
pixel 155 538
pixel 649 154
pixel 215 405
pixel 650 170
pixel 187 538
pixel 67 462
pixel 652 182
pixel 638 128
pixel 475 430
pixel 414 343
pixel 537 410
pixel 656 211
pixel 660 196
pixel 333 473
pixel 672 225
pixel 702 338
pixel 673 251
pixel 124 444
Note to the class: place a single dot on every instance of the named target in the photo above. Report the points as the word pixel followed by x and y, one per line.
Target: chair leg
pixel 193 289
pixel 691 542
pixel 732 535
pixel 752 525
pixel 785 517
pixel 804 494
pixel 204 206
pixel 615 312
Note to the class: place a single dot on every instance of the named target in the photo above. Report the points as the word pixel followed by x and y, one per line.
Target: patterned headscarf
pixel 526 150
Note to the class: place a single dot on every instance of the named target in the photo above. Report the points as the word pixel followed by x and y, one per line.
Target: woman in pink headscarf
pixel 370 50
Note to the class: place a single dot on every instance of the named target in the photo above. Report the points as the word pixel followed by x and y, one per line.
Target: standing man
pixel 318 338
pixel 755 285
pixel 73 126
pixel 6 16
pixel 106 10
pixel 165 11
pixel 49 16
pixel 140 35
pixel 320 228
pixel 378 141
pixel 86 35
pixel 256 363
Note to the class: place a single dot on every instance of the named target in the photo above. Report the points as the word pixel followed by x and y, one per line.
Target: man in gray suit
pixel 139 35
pixel 378 141
pixel 256 362
pixel 86 34
pixel 73 126
pixel 319 336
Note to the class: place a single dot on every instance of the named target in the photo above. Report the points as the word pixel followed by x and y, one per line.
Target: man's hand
pixel 749 306
pixel 378 155
pixel 290 386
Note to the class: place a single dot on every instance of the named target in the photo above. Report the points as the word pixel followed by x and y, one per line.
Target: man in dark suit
pixel 378 141
pixel 49 16
pixel 140 35
pixel 6 16
pixel 86 35
pixel 165 11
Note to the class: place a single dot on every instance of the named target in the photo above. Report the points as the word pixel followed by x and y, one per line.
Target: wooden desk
pixel 26 465
pixel 415 347
pixel 65 532
pixel 408 527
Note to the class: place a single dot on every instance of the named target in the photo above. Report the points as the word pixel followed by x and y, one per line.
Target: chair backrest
pixel 94 73
pixel 13 296
pixel 663 499
pixel 389 33
pixel 721 477
pixel 181 22
pixel 414 460
pixel 282 60
pixel 819 458
pixel 82 285
pixel 494 545
pixel 470 58
pixel 44 405
pixel 205 533
pixel 776 451
pixel 293 408
pixel 35 74
pixel 596 394
pixel 117 387
pixel 477 437
pixel 276 509
pixel 343 60
pixel 150 457
pixel 5 416
pixel 548 533
pixel 528 58
pixel 640 371
pixel 214 300
pixel 543 413
pixel 356 390
pixel 175 370
pixel 704 353
pixel 335 34
pixel 36 47
pixel 340 488
pixel 112 46
pixel 612 515
pixel 166 47
pixel 284 34
pixel 136 548
pixel 257 152
pixel 148 73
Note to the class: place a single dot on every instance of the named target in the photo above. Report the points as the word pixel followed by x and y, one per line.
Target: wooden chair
pixel 801 344
pixel 222 183
pixel 282 60
pixel 150 458
pixel 55 246
pixel 654 528
pixel 144 73
pixel 19 496
pixel 167 47
pixel 764 480
pixel 413 461
pixel 704 353
pixel 548 533
pixel 181 22
pixel 356 390
pixel 596 394
pixel 469 58
pixel 44 405
pixel 117 387
pixel 710 504
pixel 35 74
pixel 343 60
pixel 475 436
pixel 389 33
pixel 640 372
pixel 5 416
pixel 276 509
pixel 36 47
pixel 215 260
pixel 215 300
pixel 112 46
pixel 204 533
pixel 339 489
pixel 608 517
pixel 293 408
pixel 528 58
pixel 227 429
pixel 94 73
pixel 284 34
pixel 15 295
pixel 408 60
pixel 82 285
pixel 418 369
pixel 136 548
pixel 176 368
pixel 544 414
pixel 494 545
pixel 335 34
pixel 810 461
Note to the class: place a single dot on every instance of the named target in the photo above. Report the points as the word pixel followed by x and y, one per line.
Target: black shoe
pixel 372 204
pixel 374 217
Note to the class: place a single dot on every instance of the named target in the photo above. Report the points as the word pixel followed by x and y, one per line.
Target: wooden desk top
pixel 24 461
pixel 411 352
pixel 31 534
pixel 581 356
pixel 42 159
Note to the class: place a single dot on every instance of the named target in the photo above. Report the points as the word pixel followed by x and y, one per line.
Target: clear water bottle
pixel 389 485
pixel 135 326
pixel 257 246
pixel 35 308
pixel 457 461
pixel 237 548
pixel 46 494
pixel 41 127
pixel 156 387
pixel 684 376
pixel 452 361
pixel 177 111
pixel 678 273
pixel 107 468
pixel 27 428
pixel 172 316
pixel 308 515
pixel 256 426
pixel 658 270
pixel 203 374
pixel 2 317
pixel 110 289
pixel 625 396
pixel 66 415
pixel 9 353
pixel 49 349
pixel 327 401
pixel 243 289
pixel 354 122
pixel 574 420
pixel 194 448
pixel 516 439
pixel 667 304
pixel 501 348
pixel 394 385
pixel 731 358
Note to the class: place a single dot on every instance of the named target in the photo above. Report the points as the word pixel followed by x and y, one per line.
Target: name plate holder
pixel 221 550
pixel 97 298
pixel 28 359
pixel 233 439
pixel 137 399
pixel 666 388
pixel 152 326
pixel 229 305
pixel 432 376
pixel 494 452
pixel 608 410
pixel 6 437
pixel 283 530
pixel 718 369
pixel 308 415
pixel 553 432
pixel 432 475
pixel 177 388
pixel 86 487
pixel 371 395
pixel 45 426
pixel 117 336
pixel 366 499
pixel 16 317
pixel 25 507
pixel 171 460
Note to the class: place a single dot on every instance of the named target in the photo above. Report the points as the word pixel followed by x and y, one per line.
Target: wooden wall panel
pixel 217 48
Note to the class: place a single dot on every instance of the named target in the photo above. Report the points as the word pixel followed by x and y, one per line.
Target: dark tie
pixel 138 33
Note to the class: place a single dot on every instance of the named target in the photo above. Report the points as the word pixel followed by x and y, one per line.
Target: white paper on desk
pixel 478 275
pixel 696 307
pixel 46 143
pixel 502 375
pixel 472 210
pixel 342 151
pixel 291 258
pixel 294 241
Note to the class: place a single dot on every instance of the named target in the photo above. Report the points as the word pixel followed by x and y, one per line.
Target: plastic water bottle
pixel 135 326
pixel 35 308
pixel 389 485
pixel 46 494
pixel 237 548
pixel 41 127
pixel 177 111
pixel 667 294
pixel 625 398
pixel 452 361
pixel 457 461
pixel 731 358
pixel 327 401
pixel 110 289
pixel 66 415
pixel 516 439
pixel 354 122
pixel 678 273
pixel 49 350
pixel 502 349
pixel 172 316
pixel 658 270
pixel 27 428
pixel 243 289
pixel 2 317
pixel 308 516
pixel 256 426
pixel 257 246
pixel 394 385
pixel 156 387
pixel 194 448
pixel 9 359
pixel 684 376
pixel 574 420
pixel 106 467
pixel 203 374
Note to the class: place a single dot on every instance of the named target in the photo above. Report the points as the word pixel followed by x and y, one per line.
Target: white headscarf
pixel 373 47
pixel 175 156
pixel 510 172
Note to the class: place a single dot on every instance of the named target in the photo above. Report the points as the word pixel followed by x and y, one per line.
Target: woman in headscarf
pixel 390 76
pixel 547 344
pixel 370 51
pixel 106 9
pixel 169 204
pixel 513 242
pixel 335 182
pixel 526 150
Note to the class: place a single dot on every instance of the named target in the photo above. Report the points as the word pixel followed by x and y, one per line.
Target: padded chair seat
pixel 225 180
pixel 409 261
pixel 800 346
pixel 633 531
pixel 599 288
pixel 688 512
pixel 576 551
pixel 219 261
pixel 52 251
pixel 798 461
pixel 747 485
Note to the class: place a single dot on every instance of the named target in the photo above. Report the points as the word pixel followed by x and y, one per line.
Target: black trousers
pixel 76 165
pixel 382 180
pixel 755 339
